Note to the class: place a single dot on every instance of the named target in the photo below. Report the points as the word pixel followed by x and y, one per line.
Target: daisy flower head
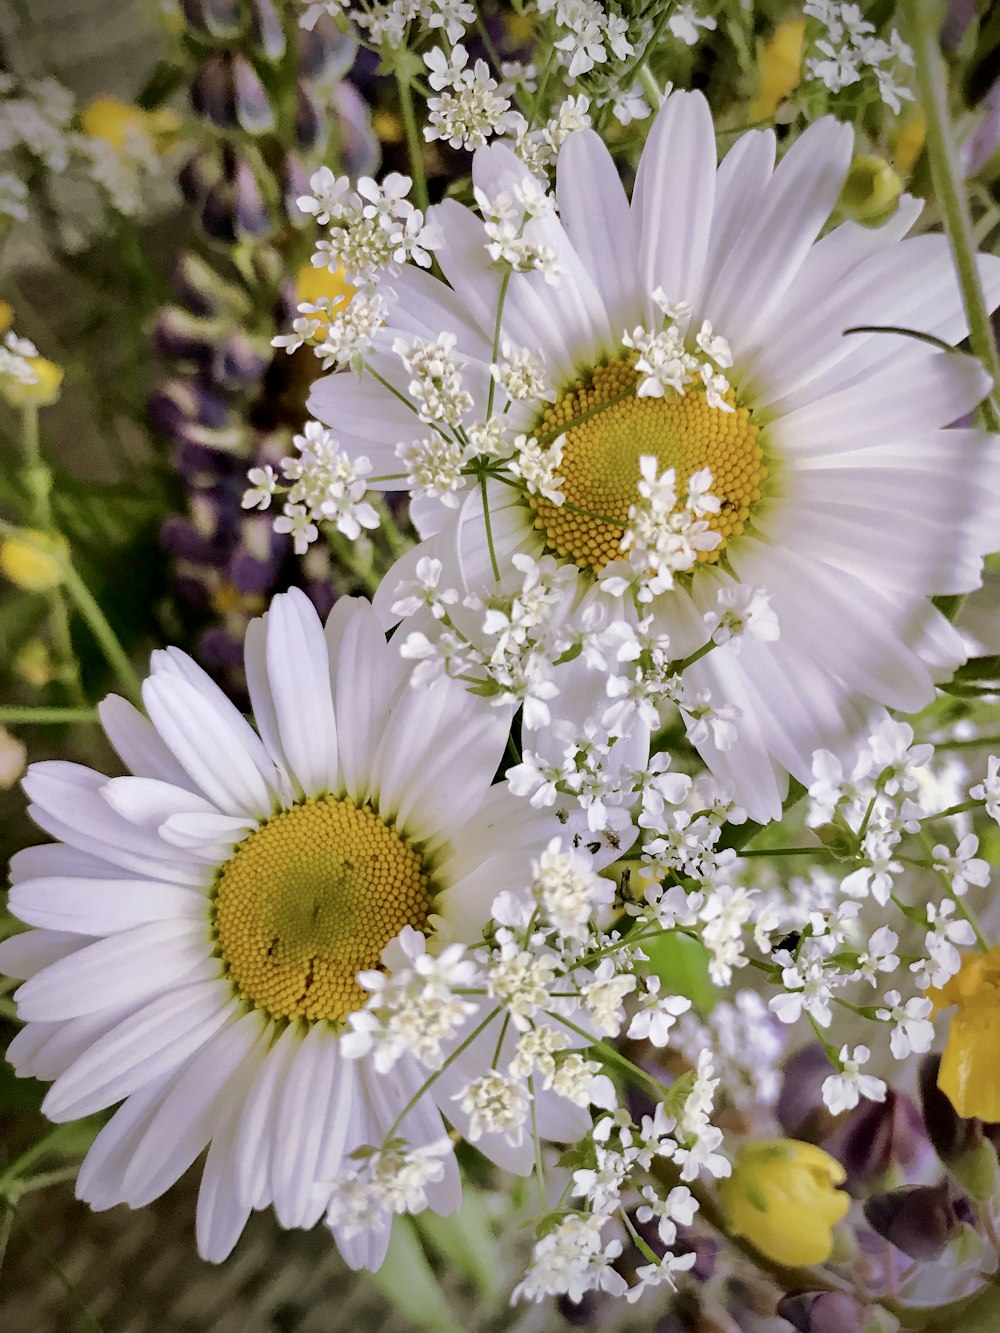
pixel 703 324
pixel 204 930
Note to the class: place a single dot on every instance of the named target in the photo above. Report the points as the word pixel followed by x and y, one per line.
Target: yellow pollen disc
pixel 600 461
pixel 309 900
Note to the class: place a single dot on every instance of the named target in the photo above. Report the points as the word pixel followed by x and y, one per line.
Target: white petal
pixel 190 1111
pixel 31 951
pixel 595 212
pixel 137 744
pixel 673 198
pixel 367 675
pixel 313 1084
pixel 299 677
pixel 255 1133
pixel 141 1048
pixel 101 906
pixel 217 747
pixel 123 969
pixel 437 758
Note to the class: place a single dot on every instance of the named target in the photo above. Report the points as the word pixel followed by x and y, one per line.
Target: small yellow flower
pixel 313 284
pixel 13 757
pixel 780 68
pixel 871 191
pixel 968 1076
pixel 388 125
pixel 908 141
pixel 116 122
pixel 33 664
pixel 783 1198
pixel 33 560
pixel 45 390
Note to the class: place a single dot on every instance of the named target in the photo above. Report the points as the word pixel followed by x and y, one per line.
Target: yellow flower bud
pixel 313 284
pixel 968 1073
pixel 908 141
pixel 116 122
pixel 6 316
pixel 13 757
pixel 33 560
pixel 780 68
pixel 871 191
pixel 42 393
pixel 33 664
pixel 783 1198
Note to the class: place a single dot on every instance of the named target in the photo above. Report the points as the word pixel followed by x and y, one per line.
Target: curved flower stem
pixel 932 90
pixel 413 145
pixel 38 480
pixel 107 640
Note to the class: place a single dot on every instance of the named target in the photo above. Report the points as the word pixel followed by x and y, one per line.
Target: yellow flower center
pixel 601 453
pixel 310 899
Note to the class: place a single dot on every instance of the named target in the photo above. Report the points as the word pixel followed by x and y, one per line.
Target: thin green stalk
pixel 40 1243
pixel 932 93
pixel 413 144
pixel 38 480
pixel 28 716
pixel 489 528
pixel 650 87
pixel 90 612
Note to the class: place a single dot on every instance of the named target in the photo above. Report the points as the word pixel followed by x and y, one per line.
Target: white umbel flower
pixel 842 498
pixel 199 926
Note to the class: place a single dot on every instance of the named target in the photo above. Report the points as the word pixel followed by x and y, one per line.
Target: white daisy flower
pixel 841 496
pixel 199 927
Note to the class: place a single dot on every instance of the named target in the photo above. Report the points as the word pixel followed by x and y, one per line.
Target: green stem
pixel 413 145
pixel 932 93
pixel 650 87
pixel 86 604
pixel 28 716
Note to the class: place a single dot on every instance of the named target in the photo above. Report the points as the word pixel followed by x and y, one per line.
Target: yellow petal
pixel 44 391
pixel 970 1067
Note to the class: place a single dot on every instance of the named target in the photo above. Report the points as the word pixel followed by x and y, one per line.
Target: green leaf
pixel 466 1239
pixel 681 963
pixel 407 1279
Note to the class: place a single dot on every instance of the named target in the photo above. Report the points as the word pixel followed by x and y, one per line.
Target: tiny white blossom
pixel 843 1091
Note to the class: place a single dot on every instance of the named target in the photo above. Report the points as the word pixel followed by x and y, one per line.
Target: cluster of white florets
pixel 551 981
pixel 38 118
pixel 847 51
pixel 16 356
pixel 470 106
pixel 339 336
pixel 669 361
pixel 372 228
pixel 320 484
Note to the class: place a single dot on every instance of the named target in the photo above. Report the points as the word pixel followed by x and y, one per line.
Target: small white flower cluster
pixel 470 107
pixel 393 1178
pixel 546 982
pixel 590 34
pixel 327 486
pixel 666 364
pixel 849 51
pixel 16 355
pixel 413 1008
pixel 538 148
pixel 373 228
pixel 512 228
pixel 662 537
pixel 123 170
pixel 38 119
pixel 387 23
pixel 338 337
